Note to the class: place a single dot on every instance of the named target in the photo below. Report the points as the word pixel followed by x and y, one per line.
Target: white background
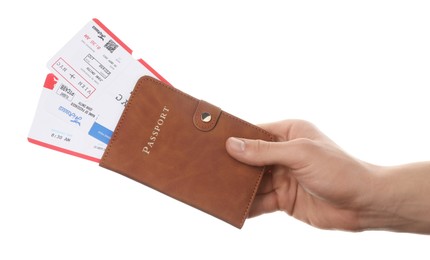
pixel 359 70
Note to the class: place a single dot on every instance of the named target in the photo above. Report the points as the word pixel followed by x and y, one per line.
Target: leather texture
pixel 175 144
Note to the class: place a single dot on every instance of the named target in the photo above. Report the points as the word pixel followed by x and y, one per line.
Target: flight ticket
pixel 83 97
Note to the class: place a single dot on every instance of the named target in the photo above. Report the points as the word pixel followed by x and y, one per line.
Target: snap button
pixel 206 117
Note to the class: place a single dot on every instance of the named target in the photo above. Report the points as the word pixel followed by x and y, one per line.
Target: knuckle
pixel 262 146
pixel 304 143
pixel 260 151
pixel 304 147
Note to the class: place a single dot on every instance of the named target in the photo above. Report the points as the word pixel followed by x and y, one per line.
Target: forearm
pixel 400 199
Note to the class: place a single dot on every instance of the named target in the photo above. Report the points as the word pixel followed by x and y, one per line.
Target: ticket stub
pixel 82 99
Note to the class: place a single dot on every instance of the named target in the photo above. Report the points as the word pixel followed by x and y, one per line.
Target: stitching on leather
pixel 254 193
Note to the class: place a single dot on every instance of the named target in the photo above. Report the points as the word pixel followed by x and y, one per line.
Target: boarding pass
pixel 83 97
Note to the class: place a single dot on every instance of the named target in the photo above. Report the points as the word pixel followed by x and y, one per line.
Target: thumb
pixel 260 153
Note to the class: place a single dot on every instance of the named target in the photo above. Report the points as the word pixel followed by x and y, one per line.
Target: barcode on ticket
pixel 111 46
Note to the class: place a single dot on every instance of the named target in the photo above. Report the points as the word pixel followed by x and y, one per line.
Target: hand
pixel 315 181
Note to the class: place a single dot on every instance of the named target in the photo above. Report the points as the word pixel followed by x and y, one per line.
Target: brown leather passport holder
pixel 175 143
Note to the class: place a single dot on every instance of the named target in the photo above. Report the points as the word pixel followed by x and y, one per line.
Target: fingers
pixel 260 153
pixel 264 203
pixel 291 129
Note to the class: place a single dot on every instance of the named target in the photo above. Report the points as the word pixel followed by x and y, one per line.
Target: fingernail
pixel 236 144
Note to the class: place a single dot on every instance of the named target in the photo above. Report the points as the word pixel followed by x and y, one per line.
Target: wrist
pixel 399 199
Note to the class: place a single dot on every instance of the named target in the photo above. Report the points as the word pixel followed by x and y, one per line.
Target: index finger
pixel 291 129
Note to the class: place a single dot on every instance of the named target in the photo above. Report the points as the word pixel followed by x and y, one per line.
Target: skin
pixel 315 181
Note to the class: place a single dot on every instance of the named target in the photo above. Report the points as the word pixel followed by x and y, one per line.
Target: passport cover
pixel 175 144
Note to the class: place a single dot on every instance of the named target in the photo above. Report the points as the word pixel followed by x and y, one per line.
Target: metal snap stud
pixel 206 117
